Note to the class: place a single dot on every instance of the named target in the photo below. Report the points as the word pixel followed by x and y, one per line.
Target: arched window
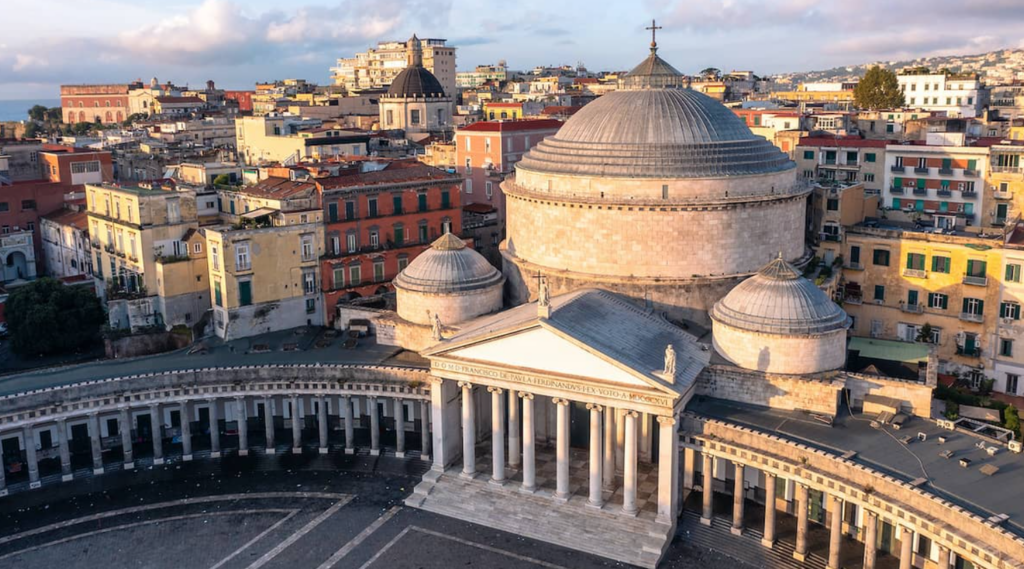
pixel 119 103
pixel 108 117
pixel 504 115
pixel 81 116
pixel 120 117
pixel 71 117
pixel 97 104
pixel 80 104
pixel 108 103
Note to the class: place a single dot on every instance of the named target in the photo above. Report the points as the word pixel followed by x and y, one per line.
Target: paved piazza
pixel 252 512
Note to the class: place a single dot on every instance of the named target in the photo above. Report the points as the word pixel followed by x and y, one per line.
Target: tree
pixel 710 73
pixel 222 180
pixel 1012 420
pixel 54 115
pixel 48 317
pixel 879 89
pixel 924 334
pixel 31 130
pixel 134 117
pixel 37 113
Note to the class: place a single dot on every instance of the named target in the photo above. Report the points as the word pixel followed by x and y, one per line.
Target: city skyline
pixel 236 45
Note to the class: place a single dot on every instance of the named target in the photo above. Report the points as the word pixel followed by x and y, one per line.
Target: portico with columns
pixel 565 403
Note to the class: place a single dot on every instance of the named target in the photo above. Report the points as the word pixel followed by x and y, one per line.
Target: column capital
pixel 666 420
pixel 465 384
pixel 594 407
pixel 435 379
pixel 632 414
pixel 373 397
pixel 526 395
pixel 870 514
pixel 240 397
pixel 559 401
pixel 738 465
pixel 498 390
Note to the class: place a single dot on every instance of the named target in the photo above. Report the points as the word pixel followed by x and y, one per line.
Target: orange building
pixel 90 103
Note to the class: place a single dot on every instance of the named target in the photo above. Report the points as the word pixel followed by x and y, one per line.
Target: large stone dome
pixel 778 300
pixel 415 82
pixel 655 133
pixel 448 266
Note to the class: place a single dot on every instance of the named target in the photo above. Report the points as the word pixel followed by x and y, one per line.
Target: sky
pixel 238 42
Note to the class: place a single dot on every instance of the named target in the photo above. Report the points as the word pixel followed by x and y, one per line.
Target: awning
pixel 263 211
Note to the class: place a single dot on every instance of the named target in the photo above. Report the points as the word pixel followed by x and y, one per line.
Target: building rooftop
pixel 881 449
pixel 397 172
pixel 278 188
pixel 516 125
pixel 79 219
pixel 841 141
pixel 448 266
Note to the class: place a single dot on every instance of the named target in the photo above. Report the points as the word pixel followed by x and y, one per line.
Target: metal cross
pixel 654 27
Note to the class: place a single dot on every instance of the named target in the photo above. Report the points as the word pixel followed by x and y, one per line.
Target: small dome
pixel 415 81
pixel 653 72
pixel 778 300
pixel 448 266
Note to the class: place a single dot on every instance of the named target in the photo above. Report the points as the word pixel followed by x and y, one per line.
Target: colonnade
pixel 348 407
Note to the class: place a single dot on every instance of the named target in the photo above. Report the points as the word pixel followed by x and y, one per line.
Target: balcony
pixel 944 193
pixel 1007 169
pixel 915 273
pixel 968 317
pixel 831 237
pixel 911 308
pixel 969 195
pixel 900 169
pixel 974 352
pixel 855 300
pixel 853 267
pixel 976 280
pixel 970 173
pixel 920 191
pixel 96 245
pixel 920 170
pixel 945 171
pixel 1002 195
pixel 896 190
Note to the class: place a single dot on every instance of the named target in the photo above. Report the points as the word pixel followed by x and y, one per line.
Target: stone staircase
pixel 606 533
pixel 745 548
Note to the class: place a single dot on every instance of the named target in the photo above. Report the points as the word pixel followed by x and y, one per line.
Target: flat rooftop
pixel 882 450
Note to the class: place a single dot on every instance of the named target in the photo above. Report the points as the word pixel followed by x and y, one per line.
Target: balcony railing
pixel 969 317
pixel 920 170
pixel 96 245
pixel 898 169
pixel 915 273
pixel 1002 195
pixel 976 280
pixel 970 173
pixel 853 267
pixel 1007 169
pixel 831 237
pixel 945 171
pixel 911 308
pixel 974 352
pixel 896 190
pixel 943 193
pixel 855 300
pixel 968 195
pixel 920 191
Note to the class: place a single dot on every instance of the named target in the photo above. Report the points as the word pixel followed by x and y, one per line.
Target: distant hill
pixel 994 67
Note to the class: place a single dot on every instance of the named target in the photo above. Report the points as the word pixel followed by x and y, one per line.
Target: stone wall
pixel 144 344
pixel 818 394
pixel 773 353
pixel 265 317
pixel 628 240
pixel 451 308
pixel 916 397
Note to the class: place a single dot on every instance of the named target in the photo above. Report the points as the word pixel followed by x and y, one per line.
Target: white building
pixel 377 67
pixel 66 250
pixel 957 95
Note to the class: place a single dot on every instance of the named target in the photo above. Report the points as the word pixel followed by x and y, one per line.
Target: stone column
pixel 374 427
pixel 529 450
pixel 243 426
pixel 28 436
pixel 737 500
pixel 214 429
pixel 870 539
pixel 186 431
pixel 468 430
pixel 96 440
pixel 608 468
pixel 268 422
pixel 906 548
pixel 646 437
pixel 945 557
pixel 708 489
pixel 321 416
pixel 296 426
pixel 124 422
pixel 425 430
pixel 768 540
pixel 800 551
pixel 399 428
pixel 562 446
pixel 630 464
pixel 65 451
pixel 514 444
pixel 497 436
pixel 620 439
pixel 668 470
pixel 350 425
pixel 596 500
pixel 156 421
pixel 835 537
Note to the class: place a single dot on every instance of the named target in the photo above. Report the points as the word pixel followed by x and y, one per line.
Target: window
pixel 940 264
pixel 924 546
pixel 421 200
pixel 378 271
pixel 309 282
pixel 85 167
pixel 354 278
pixel 880 293
pixel 855 254
pixel 880 257
pixel 1013 273
pixel 338 275
pixel 869 177
pixel 4 206
pixel 1006 347
pixel 27 205
pixel 832 204
pixel 414 116
pixel 938 301
pixel 489 189
pixel 1012 382
pixel 332 211
pixel 242 261
pixel 446 201
pixel 976 268
pixel 469 166
pixel 423 231
pixel 390 117
pixel 374 238
pixel 973 306
pixel 371 206
pixel 218 298
pixel 350 210
pixel 396 204
pixel 915 261
pixel 1009 310
pixel 808 155
pixel 468 186
pixel 351 243
pixel 851 157
pixel 869 157
pixel 307 247
pixel 244 293
pixel 399 234
pixel 310 305
pixel 936 337
pixel 215 257
pixel 197 247
pixel 403 262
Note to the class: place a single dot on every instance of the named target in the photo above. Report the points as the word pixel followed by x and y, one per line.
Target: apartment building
pixel 66 250
pixel 957 95
pixel 378 220
pixel 378 66
pixel 1004 183
pixel 834 206
pixel 843 159
pixel 290 139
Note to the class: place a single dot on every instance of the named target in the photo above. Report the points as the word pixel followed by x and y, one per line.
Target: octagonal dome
pixel 778 300
pixel 415 82
pixel 448 266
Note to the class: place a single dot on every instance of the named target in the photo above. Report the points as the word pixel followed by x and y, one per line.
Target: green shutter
pixel 912 297
pixel 970 267
pixel 919 205
pixel 910 260
pixel 947 163
pixel 808 155
pixel 245 293
pixel 896 203
pixel 422 202
pixel 972 164
pixel 869 157
pixel 332 211
pixel 445 199
pixel 921 183
pixel 897 182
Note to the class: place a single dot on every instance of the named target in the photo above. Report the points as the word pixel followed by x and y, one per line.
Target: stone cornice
pixel 618 203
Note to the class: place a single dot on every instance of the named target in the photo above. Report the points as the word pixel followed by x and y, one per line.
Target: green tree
pixel 31 130
pixel 49 317
pixel 37 113
pixel 222 180
pixel 924 334
pixel 879 89
pixel 1011 420
pixel 710 73
pixel 134 117
pixel 54 115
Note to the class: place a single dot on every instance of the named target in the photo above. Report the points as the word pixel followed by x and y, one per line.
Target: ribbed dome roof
pixel 778 300
pixel 448 266
pixel 653 72
pixel 655 133
pixel 415 81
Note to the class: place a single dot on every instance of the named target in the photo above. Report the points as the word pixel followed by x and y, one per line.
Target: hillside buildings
pixel 416 101
pixel 290 139
pixel 957 95
pixel 376 68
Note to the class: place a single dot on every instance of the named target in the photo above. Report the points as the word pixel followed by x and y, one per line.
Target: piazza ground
pixel 258 511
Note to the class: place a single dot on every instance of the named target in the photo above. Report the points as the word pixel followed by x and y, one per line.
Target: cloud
pixel 23 61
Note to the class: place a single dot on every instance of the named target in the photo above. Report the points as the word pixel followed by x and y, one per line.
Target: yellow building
pixel 146 255
pixel 264 274
pixel 1004 185
pixel 285 138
